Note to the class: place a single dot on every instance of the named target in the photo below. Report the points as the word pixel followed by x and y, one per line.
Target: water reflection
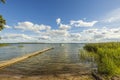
pixel 62 59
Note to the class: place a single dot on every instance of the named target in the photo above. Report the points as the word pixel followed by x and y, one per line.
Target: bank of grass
pixel 106 55
pixel 3 44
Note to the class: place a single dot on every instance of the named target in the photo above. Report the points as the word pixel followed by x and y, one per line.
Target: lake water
pixel 62 59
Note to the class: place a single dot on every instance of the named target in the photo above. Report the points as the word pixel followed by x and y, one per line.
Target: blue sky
pixel 61 20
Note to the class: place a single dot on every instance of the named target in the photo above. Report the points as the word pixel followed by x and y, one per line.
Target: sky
pixel 60 21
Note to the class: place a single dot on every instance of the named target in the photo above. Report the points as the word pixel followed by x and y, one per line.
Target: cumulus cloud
pixel 75 35
pixel 97 36
pixel 64 27
pixel 58 33
pixel 64 32
pixel 90 31
pixel 44 37
pixel 15 36
pixel 29 26
pixel 6 26
pixel 89 35
pixel 103 34
pixel 58 21
pixel 81 23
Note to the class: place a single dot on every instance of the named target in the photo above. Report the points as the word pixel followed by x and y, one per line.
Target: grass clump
pixel 107 57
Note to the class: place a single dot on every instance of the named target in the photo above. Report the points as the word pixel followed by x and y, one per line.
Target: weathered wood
pixel 18 59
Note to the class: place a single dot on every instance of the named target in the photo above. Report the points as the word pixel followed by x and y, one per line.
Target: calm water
pixel 62 59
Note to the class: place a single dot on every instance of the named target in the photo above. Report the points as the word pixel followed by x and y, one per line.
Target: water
pixel 15 50
pixel 62 59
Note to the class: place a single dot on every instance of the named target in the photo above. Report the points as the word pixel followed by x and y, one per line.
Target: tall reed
pixel 107 57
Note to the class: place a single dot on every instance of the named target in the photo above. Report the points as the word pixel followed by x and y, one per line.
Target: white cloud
pixel 88 31
pixel 53 36
pixel 112 19
pixel 75 35
pixel 64 32
pixel 29 26
pixel 102 34
pixel 113 16
pixel 44 37
pixel 57 33
pixel 6 26
pixel 97 36
pixel 64 27
pixel 58 21
pixel 15 36
pixel 81 23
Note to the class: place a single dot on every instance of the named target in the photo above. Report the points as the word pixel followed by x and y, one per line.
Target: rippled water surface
pixel 62 59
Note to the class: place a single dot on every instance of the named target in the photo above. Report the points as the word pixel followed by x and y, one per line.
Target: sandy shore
pixel 59 72
pixel 47 77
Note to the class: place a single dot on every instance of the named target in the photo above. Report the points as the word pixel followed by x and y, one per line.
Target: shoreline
pixel 67 76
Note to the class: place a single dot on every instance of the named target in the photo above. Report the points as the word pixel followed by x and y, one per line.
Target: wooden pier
pixel 18 59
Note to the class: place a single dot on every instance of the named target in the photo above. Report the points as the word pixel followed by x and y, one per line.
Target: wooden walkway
pixel 18 59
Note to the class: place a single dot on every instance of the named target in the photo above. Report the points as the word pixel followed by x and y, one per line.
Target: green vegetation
pixel 106 55
pixel 2 45
pixel 2 21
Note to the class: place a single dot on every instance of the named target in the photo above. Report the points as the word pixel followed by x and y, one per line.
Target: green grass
pixel 3 44
pixel 107 57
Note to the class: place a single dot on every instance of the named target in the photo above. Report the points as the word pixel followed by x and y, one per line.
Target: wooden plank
pixel 18 59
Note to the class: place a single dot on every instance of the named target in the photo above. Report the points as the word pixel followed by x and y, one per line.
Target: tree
pixel 2 21
pixel 3 1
